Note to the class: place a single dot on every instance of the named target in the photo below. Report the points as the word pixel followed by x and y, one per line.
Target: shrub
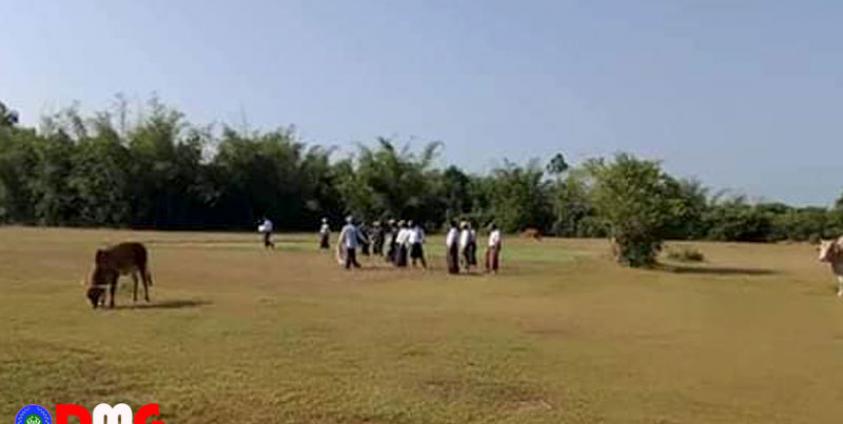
pixel 634 198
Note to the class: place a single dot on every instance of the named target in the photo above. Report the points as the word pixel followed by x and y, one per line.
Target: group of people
pixel 461 248
pixel 401 243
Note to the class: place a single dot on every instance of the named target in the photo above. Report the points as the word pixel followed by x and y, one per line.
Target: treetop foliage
pixel 153 169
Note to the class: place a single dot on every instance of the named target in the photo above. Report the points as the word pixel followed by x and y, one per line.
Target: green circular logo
pixel 33 419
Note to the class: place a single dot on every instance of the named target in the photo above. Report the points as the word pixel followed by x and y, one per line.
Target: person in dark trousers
pixel 452 249
pixel 377 238
pixel 349 240
pixel 416 241
pixel 365 241
pixel 391 245
pixel 325 235
pixel 265 228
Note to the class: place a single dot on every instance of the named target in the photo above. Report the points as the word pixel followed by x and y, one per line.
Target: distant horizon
pixel 741 96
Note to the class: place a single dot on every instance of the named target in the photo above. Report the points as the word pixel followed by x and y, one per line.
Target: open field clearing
pixel 236 333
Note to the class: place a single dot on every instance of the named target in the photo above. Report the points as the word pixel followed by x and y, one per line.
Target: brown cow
pixel 112 262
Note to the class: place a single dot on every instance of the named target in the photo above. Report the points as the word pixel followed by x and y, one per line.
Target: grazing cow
pixel 110 264
pixel 831 251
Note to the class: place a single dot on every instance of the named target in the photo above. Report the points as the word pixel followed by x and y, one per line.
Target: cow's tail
pixel 149 278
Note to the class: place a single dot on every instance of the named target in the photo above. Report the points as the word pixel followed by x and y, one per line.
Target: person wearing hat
pixel 493 251
pixel 416 241
pixel 348 242
pixel 452 249
pixel 325 235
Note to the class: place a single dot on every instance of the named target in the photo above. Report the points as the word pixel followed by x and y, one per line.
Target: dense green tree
pixel 520 197
pixel 635 197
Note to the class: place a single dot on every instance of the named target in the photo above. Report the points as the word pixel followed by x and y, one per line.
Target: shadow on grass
pixel 714 270
pixel 167 304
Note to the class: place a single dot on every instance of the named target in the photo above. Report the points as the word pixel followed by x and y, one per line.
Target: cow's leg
pixel 147 280
pixel 112 287
pixel 135 287
pixel 840 286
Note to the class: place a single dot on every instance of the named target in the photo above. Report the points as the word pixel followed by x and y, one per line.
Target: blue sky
pixel 744 95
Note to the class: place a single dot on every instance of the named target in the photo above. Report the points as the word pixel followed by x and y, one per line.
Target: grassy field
pixel 234 333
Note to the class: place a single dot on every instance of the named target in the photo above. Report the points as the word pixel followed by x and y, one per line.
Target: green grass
pixel 234 333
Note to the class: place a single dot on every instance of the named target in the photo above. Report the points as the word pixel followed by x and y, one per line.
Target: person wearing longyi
pixel 402 242
pixel 325 235
pixel 452 249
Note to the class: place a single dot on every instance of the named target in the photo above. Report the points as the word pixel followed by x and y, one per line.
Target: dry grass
pixel 562 336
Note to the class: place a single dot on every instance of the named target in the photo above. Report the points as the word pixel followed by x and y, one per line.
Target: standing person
pixel 349 240
pixel 465 245
pixel 392 247
pixel 378 238
pixel 452 249
pixel 472 244
pixel 493 251
pixel 265 228
pixel 402 240
pixel 363 235
pixel 325 235
pixel 416 240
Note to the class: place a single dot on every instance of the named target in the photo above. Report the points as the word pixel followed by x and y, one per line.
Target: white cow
pixel 831 251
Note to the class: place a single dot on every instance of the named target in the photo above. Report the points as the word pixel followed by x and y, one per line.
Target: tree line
pixel 153 169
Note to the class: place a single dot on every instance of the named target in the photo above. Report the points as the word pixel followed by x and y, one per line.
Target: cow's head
pixel 100 279
pixel 829 250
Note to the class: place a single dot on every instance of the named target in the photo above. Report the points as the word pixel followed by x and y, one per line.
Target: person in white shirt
pixel 402 244
pixel 325 235
pixel 472 245
pixel 493 251
pixel 452 249
pixel 416 241
pixel 265 228
pixel 465 245
pixel 348 242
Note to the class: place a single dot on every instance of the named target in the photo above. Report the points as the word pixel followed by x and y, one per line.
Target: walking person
pixel 402 241
pixel 493 251
pixel 348 241
pixel 325 235
pixel 378 237
pixel 452 254
pixel 265 228
pixel 365 241
pixel 416 241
